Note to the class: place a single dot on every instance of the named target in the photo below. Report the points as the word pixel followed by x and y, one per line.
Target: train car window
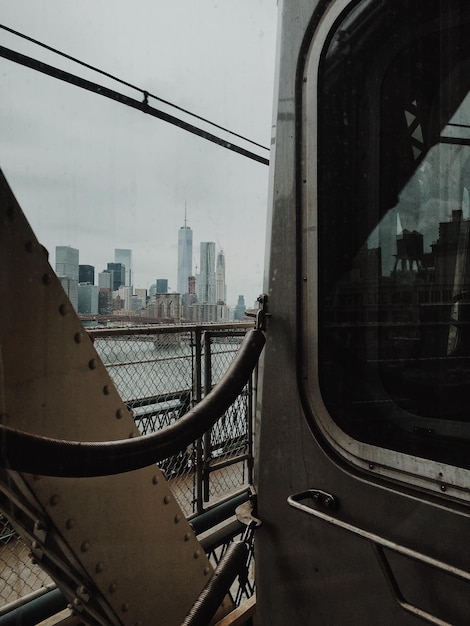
pixel 393 177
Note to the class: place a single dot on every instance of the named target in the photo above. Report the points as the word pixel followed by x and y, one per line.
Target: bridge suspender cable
pixel 143 105
pixel 127 84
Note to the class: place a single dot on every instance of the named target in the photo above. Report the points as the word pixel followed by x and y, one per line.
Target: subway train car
pixel 363 470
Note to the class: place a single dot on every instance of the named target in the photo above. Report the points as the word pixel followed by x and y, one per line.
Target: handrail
pixel 25 452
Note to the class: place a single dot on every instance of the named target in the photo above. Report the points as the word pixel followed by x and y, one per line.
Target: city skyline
pixel 212 275
pixel 97 175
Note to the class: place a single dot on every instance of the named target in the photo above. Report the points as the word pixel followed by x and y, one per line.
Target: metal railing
pixel 160 372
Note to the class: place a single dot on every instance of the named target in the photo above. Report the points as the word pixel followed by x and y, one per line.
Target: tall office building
pixel 86 274
pixel 220 288
pixel 66 268
pixel 66 262
pixel 161 285
pixel 119 275
pixel 88 298
pixel 239 312
pixel 206 284
pixel 185 257
pixel 124 257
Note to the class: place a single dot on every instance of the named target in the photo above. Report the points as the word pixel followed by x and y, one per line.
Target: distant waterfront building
pixel 239 312
pixel 86 274
pixel 124 257
pixel 119 275
pixel 125 294
pixel 220 287
pixel 142 294
pixel 66 268
pixel 223 313
pixel 88 296
pixel 137 304
pixel 204 312
pixel 66 262
pixel 161 285
pixel 185 257
pixel 105 279
pixel 70 286
pixel 206 284
pixel 105 301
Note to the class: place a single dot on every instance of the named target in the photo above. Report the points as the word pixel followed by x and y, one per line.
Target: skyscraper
pixel 119 275
pixel 162 285
pixel 86 274
pixel 66 262
pixel 185 256
pixel 66 268
pixel 124 257
pixel 206 285
pixel 220 288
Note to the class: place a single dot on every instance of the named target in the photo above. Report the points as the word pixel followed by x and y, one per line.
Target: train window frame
pixel 428 473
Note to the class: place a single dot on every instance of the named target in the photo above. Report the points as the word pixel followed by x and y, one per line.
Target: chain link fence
pixel 160 373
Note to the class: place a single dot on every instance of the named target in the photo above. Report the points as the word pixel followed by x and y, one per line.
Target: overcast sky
pixel 96 175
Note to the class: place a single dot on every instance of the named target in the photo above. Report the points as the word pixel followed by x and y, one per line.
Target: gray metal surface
pixel 311 570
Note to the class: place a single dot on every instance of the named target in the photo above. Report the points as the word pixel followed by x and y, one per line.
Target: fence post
pixel 197 398
pixel 207 435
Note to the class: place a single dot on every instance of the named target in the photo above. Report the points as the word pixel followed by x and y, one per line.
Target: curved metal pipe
pixel 34 454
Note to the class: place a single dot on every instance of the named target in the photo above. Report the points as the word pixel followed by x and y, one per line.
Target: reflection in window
pixel 395 286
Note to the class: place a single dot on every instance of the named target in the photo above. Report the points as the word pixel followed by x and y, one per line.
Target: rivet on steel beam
pixel 99 567
pixel 78 337
pixel 63 309
pixel 177 518
pixel 39 525
pixel 106 390
pixel 70 523
pixel 166 499
pixel 197 554
pixel 112 587
pixel 35 545
pixel 125 607
pixel 29 246
pixel 46 279
pixel 93 364
pixel 85 546
pixel 54 500
pixel 206 570
pixel 155 480
pixel 443 487
pixel 119 414
pixel 187 536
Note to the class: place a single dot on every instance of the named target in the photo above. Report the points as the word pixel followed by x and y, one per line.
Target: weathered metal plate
pixel 127 531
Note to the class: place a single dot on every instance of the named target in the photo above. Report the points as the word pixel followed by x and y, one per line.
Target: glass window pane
pixel 394 179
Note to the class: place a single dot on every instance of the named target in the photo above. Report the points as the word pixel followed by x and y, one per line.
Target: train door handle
pixel 322 505
pixel 321 498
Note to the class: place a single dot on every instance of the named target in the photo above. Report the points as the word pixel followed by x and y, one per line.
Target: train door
pixel 364 445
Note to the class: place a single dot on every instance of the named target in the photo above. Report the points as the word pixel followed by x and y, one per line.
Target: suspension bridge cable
pixel 145 94
pixel 143 106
